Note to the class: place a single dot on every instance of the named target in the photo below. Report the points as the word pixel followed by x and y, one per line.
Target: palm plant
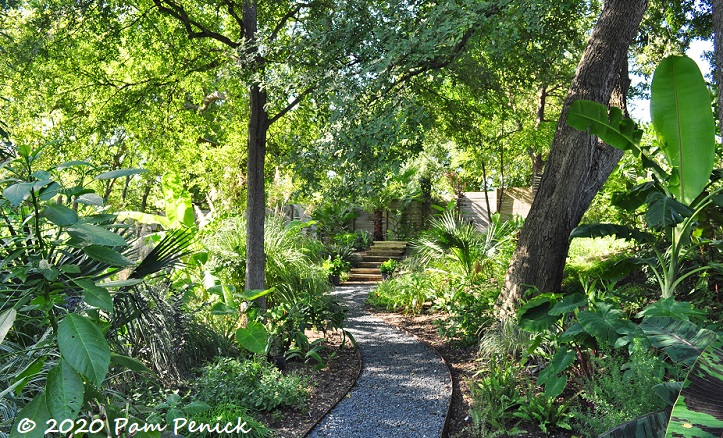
pixel 452 238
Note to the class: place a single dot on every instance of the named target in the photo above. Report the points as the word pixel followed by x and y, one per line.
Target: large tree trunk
pixel 718 47
pixel 579 164
pixel 256 197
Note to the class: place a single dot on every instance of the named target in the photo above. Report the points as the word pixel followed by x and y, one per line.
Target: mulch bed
pixel 329 385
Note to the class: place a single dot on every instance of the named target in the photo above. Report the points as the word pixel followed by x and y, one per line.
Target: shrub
pixel 228 412
pixel 252 383
pixel 619 392
pixel 496 392
pixel 468 307
pixel 406 293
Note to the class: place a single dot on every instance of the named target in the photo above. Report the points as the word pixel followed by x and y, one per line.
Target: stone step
pixel 379 259
pixel 353 278
pixel 395 243
pixel 359 283
pixel 383 251
pixel 365 264
pixel 368 270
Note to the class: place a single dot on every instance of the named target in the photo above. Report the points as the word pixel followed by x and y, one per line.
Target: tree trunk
pixel 425 186
pixel 378 225
pixel 718 47
pixel 256 197
pixel 578 164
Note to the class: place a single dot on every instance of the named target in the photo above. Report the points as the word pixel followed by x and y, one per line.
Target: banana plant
pixel 696 409
pixel 685 128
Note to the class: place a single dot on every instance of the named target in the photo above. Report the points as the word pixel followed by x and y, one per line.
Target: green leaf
pixel 119 173
pixel 534 315
pixel 223 309
pixel 69 269
pixel 95 235
pixel 84 347
pixel 648 426
pixel 576 333
pixel 250 295
pixel 553 377
pixel 664 211
pixel 49 192
pixel 253 337
pixel 668 391
pixel 179 206
pixel 94 295
pixel 121 283
pixel 698 412
pixel 60 215
pixel 130 363
pixel 681 113
pixel 90 199
pixel 672 308
pixel 608 125
pixel 618 231
pixel 17 193
pixel 73 163
pixel 602 323
pixel 196 407
pixel 568 304
pixel 555 385
pixel 37 411
pixel 6 322
pixel 64 392
pixel 631 200
pixel 107 255
pixel 682 340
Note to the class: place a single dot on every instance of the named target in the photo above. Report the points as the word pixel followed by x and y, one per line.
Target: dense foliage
pixel 125 129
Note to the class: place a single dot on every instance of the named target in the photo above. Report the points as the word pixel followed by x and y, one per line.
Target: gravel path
pixel 404 389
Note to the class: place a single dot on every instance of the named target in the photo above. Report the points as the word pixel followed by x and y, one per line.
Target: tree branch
pixel 289 15
pixel 194 29
pixel 292 104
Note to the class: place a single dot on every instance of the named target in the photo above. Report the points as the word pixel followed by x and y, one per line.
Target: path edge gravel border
pixel 448 415
pixel 353 385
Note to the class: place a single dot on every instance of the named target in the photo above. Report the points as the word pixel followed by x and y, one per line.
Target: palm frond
pixel 166 254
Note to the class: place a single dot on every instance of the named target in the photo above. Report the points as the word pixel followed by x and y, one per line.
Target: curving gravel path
pixel 404 389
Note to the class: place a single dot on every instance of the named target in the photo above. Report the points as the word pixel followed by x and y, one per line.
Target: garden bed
pixel 462 364
pixel 329 385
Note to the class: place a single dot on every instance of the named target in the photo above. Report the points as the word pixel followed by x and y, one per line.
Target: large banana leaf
pixel 680 109
pixel 682 340
pixel 698 412
pixel 618 231
pixel 648 426
pixel 608 124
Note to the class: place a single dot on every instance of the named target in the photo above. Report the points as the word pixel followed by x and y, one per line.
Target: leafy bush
pixel 406 293
pixel 544 412
pixel 469 309
pixel 388 267
pixel 59 248
pixel 358 240
pixel 289 269
pixel 336 266
pixel 227 412
pixel 507 339
pixel 252 383
pixel 619 392
pixel 464 248
pixel 497 392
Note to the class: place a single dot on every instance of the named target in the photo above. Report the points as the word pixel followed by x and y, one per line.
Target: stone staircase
pixel 367 271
